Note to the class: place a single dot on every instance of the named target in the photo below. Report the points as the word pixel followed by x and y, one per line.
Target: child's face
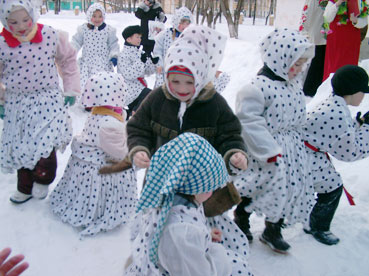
pixel 20 23
pixel 147 2
pixel 181 86
pixel 200 198
pixel 297 68
pixel 134 39
pixel 183 25
pixel 97 18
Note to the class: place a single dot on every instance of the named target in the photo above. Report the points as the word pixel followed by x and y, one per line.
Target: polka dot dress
pixel 195 224
pixel 272 113
pixel 131 67
pixel 83 197
pixel 330 128
pixel 36 120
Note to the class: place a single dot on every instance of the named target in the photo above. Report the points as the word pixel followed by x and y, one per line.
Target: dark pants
pixel 324 209
pixel 314 76
pixel 43 173
pixel 133 106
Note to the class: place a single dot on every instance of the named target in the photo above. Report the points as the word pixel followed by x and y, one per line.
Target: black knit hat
pixel 131 30
pixel 349 80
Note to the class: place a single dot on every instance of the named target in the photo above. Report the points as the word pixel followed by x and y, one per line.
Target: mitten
pixel 143 57
pixel 161 17
pixel 221 200
pixel 114 61
pixel 358 118
pixel 70 100
pixel 2 112
pixel 155 60
pixel 116 167
pixel 366 118
pixel 274 158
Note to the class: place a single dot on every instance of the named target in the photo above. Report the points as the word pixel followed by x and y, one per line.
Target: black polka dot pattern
pixel 83 197
pixel 36 120
pixel 193 227
pixel 330 128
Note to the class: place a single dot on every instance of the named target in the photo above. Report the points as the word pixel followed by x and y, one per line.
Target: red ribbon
pixel 142 81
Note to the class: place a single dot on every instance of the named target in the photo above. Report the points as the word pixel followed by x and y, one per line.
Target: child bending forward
pixel 83 197
pixel 171 235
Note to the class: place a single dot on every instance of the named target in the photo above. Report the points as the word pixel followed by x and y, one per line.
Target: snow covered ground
pixel 54 248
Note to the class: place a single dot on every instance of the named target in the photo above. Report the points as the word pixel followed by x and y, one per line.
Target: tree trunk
pixel 253 21
pixel 225 9
pixel 236 15
pixel 250 8
pixel 270 11
pixel 56 6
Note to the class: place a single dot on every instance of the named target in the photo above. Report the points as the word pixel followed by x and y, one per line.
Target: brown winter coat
pixel 156 122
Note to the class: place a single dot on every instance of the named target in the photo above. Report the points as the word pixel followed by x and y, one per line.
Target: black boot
pixel 273 238
pixel 322 216
pixel 242 218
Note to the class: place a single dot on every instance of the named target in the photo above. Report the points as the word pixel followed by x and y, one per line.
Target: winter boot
pixel 242 218
pixel 18 197
pixel 322 216
pixel 40 191
pixel 273 238
pixel 221 200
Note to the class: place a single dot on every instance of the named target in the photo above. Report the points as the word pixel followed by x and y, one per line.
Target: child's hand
pixel 141 159
pixel 2 112
pixel 239 160
pixel 159 69
pixel 114 61
pixel 12 267
pixel 216 235
pixel 69 100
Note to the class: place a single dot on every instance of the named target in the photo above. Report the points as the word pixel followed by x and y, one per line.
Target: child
pixel 180 21
pixel 188 102
pixel 36 123
pixel 133 64
pixel 330 129
pixel 170 233
pixel 99 42
pixel 272 110
pixel 149 10
pixel 83 197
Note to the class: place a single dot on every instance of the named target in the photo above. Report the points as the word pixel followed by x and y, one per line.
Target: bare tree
pixel 271 11
pixel 232 22
pixel 56 6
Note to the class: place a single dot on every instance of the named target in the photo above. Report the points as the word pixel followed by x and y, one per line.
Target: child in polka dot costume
pixel 36 122
pixel 170 234
pixel 83 197
pixel 331 129
pixel 99 43
pixel 180 21
pixel 134 65
pixel 272 111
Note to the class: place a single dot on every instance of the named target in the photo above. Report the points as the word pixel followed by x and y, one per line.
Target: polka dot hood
pixel 181 14
pixel 92 9
pixel 104 88
pixel 8 7
pixel 187 164
pixel 282 48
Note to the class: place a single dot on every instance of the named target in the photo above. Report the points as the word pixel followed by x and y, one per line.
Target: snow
pixel 54 248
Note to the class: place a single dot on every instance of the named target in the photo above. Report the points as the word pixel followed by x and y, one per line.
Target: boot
pixel 325 237
pixel 19 197
pixel 40 191
pixel 322 215
pixel 273 238
pixel 242 218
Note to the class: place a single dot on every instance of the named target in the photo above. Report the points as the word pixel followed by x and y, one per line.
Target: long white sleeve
pixel 77 39
pixel 2 87
pixel 159 48
pixel 184 249
pixel 113 43
pixel 330 12
pixel 259 141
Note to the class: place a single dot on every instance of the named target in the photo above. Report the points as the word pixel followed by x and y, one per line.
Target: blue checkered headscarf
pixel 188 164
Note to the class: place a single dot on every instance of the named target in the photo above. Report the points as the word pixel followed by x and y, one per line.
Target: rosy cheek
pixel 30 24
pixel 292 70
pixel 11 28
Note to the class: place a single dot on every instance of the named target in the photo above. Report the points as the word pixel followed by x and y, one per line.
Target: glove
pixel 155 60
pixel 364 119
pixel 2 112
pixel 114 61
pixel 70 100
pixel 143 57
pixel 274 158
